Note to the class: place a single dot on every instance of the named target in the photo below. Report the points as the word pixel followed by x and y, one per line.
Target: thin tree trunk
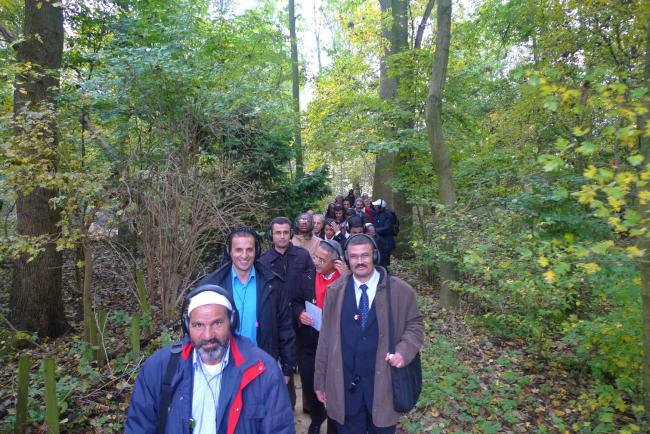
pixel 644 242
pixel 439 149
pixel 423 25
pixel 36 297
pixel 87 300
pixel 295 79
pixel 317 36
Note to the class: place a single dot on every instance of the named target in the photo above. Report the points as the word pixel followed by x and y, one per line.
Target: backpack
pixel 395 222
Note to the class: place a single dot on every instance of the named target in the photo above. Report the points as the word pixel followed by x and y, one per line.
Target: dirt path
pixel 302 419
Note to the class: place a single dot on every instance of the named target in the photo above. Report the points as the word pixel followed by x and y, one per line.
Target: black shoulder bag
pixel 407 381
pixel 166 390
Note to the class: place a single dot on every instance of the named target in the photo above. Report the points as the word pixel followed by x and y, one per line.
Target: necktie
pixel 364 305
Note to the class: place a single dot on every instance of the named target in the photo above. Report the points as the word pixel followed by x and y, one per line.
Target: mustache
pixel 215 341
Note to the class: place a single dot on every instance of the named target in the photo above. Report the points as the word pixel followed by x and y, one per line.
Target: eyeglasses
pixel 363 256
pixel 318 260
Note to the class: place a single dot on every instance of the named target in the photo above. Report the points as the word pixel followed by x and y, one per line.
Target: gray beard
pixel 214 355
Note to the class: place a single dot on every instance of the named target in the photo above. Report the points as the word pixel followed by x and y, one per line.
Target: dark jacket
pixel 385 227
pixel 409 332
pixel 253 397
pixel 297 270
pixel 275 333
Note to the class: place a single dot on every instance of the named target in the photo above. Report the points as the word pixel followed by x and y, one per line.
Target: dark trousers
pixel 361 423
pixel 291 387
pixel 306 367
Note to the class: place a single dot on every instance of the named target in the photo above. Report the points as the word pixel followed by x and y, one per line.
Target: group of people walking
pixel 318 303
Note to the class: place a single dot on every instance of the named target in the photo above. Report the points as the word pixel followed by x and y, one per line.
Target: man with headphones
pixel 353 375
pixel 305 237
pixel 294 265
pixel 215 381
pixel 259 296
pixel 329 267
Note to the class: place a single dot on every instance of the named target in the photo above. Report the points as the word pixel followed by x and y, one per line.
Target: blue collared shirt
pixel 205 396
pixel 245 295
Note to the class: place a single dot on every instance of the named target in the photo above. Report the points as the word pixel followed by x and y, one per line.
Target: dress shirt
pixel 245 295
pixel 372 288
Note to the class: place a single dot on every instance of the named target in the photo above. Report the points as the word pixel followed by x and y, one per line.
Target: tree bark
pixel 36 297
pixel 386 164
pixel 644 241
pixel 439 149
pixel 295 80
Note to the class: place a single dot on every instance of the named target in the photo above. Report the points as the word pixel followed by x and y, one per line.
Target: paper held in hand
pixel 315 313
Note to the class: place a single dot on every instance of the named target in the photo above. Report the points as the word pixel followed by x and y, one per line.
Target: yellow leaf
pixel 590 172
pixel 543 261
pixel 635 252
pixel 644 197
pixel 590 267
pixel 550 276
pixel 616 204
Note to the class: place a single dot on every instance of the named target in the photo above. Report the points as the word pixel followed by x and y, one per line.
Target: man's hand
pixel 305 319
pixel 321 397
pixel 286 379
pixel 341 267
pixel 395 360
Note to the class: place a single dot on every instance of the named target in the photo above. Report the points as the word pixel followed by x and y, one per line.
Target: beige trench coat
pixel 409 332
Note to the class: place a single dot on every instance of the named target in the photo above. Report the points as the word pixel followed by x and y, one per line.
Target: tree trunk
pixel 439 149
pixel 317 37
pixel 295 80
pixel 36 300
pixel 387 164
pixel 381 188
pixel 644 242
pixel 87 297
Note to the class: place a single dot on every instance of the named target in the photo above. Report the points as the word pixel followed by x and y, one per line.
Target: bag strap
pixel 166 391
pixel 391 326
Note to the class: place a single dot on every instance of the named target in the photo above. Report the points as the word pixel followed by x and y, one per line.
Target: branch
pixel 423 25
pixel 7 35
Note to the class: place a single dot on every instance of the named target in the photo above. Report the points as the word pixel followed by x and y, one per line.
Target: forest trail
pixel 472 382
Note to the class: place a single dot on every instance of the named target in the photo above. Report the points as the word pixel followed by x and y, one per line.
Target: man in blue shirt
pixel 259 297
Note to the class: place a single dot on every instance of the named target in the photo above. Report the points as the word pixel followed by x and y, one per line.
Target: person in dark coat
pixel 329 214
pixel 360 211
pixel 350 197
pixel 328 259
pixel 294 265
pixel 259 296
pixel 385 228
pixel 219 381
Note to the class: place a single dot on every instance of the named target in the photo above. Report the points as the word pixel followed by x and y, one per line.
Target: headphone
pixel 279 221
pixel 376 257
pixel 243 230
pixel 234 314
pixel 336 246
